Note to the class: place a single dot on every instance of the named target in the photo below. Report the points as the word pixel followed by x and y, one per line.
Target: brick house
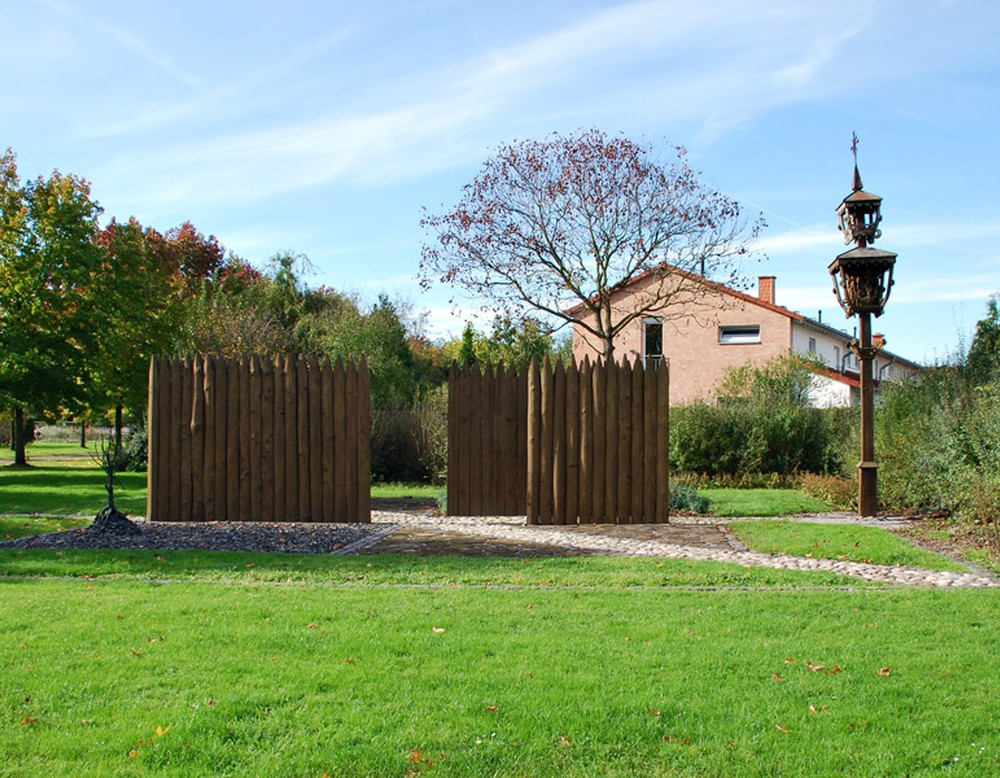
pixel 707 333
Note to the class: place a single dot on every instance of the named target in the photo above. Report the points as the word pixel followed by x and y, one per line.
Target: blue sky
pixel 323 128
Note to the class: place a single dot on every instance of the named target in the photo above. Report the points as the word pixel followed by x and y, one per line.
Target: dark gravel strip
pixel 288 538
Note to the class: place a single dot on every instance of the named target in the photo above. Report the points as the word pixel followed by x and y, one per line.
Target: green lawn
pixel 198 678
pixel 399 570
pixel 408 490
pixel 761 502
pixel 46 448
pixel 836 541
pixel 200 663
pixel 67 489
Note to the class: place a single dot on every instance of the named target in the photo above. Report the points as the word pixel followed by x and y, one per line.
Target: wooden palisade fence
pixel 256 439
pixel 590 443
pixel 598 438
pixel 487 441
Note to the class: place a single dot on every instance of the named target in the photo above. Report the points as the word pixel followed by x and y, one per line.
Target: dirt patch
pixel 412 505
pixel 440 539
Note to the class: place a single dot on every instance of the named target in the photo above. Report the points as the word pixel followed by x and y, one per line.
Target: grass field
pixel 199 663
pixel 185 678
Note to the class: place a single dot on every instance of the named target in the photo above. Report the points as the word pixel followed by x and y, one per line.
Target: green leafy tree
pixel 49 312
pixel 983 360
pixel 137 292
pixel 381 337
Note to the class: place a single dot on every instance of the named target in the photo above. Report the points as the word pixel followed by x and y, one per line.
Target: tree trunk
pixel 609 349
pixel 118 429
pixel 608 334
pixel 83 434
pixel 17 438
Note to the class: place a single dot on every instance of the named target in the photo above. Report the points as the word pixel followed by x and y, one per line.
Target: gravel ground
pixel 219 536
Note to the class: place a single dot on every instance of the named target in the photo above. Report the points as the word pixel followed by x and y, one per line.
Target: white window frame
pixel 739 334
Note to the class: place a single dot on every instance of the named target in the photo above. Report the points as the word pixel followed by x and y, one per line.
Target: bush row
pixel 741 440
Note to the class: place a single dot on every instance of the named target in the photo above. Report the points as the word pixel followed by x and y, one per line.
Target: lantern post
pixel 862 280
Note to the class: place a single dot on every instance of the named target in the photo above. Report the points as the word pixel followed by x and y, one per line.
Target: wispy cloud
pixel 795 241
pixel 126 39
pixel 433 120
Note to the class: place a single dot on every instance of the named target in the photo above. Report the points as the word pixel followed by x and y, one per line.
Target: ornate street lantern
pixel 865 274
pixel 862 281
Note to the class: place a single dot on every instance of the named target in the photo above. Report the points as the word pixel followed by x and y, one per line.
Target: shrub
pixel 431 428
pixel 411 443
pixel 135 449
pixel 938 446
pixel 394 446
pixel 685 499
pixel 834 490
pixel 762 423
pixel 740 437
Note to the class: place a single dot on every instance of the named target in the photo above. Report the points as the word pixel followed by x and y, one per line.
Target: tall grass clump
pixel 938 437
pixel 938 442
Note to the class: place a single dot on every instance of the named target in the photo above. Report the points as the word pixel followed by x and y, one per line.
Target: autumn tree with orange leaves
pixel 561 226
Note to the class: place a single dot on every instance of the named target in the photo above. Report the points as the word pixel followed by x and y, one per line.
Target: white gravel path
pixel 515 528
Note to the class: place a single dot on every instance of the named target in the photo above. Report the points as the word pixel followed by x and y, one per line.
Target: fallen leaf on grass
pixel 490 709
pixel 780 728
pixel 885 671
pixel 134 652
pixel 652 712
pixel 788 660
pixel 814 668
pixel 312 626
pixel 777 678
pixel 812 709
pixel 563 741
pixel 437 630
pixel 349 661
pixel 28 721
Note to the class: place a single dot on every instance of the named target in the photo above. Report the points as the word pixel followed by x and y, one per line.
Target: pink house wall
pixel 691 338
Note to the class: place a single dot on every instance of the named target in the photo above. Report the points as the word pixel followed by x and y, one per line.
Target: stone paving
pixel 684 538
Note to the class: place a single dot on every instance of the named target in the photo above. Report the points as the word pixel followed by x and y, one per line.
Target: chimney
pixel 878 340
pixel 765 289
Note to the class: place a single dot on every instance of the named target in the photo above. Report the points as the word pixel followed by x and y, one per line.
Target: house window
pixel 812 345
pixel 836 358
pixel 742 334
pixel 652 340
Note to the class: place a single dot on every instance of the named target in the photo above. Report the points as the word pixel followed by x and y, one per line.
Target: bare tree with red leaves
pixel 562 226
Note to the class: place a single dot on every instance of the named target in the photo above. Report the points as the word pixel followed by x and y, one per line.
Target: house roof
pixel 753 300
